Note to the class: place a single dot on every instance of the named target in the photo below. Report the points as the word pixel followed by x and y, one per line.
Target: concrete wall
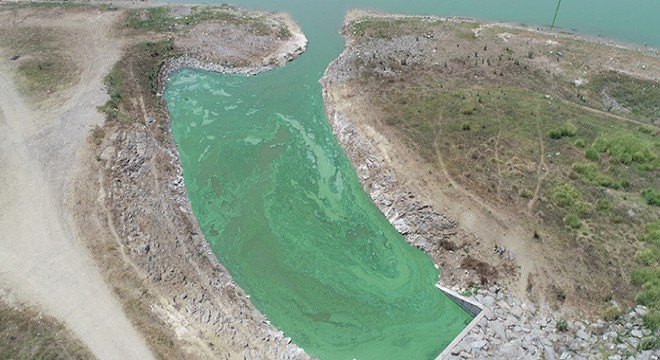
pixel 471 307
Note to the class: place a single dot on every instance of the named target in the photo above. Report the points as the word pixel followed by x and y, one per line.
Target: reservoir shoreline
pixel 506 306
pixel 134 219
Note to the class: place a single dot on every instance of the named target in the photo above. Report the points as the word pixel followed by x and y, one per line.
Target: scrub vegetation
pixel 575 154
pixel 140 67
pixel 161 19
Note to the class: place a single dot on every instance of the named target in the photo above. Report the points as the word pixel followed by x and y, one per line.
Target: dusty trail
pixel 42 260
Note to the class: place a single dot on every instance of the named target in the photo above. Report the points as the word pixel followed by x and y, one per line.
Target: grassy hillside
pixel 560 132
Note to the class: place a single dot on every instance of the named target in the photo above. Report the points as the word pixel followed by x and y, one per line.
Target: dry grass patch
pixel 28 334
pixel 45 66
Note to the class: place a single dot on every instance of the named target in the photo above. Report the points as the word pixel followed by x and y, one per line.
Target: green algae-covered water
pixel 281 205
pixel 285 213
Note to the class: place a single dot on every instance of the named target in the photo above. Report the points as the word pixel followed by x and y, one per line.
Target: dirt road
pixel 42 260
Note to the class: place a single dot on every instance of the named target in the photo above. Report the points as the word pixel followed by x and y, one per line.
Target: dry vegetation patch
pixel 28 334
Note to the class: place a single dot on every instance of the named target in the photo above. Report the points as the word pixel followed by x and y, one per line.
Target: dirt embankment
pixel 476 228
pixel 131 260
pixel 154 253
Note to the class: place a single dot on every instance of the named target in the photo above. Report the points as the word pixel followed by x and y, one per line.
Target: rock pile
pixel 515 329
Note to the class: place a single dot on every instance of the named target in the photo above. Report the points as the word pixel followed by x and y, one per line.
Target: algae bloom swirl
pixel 283 210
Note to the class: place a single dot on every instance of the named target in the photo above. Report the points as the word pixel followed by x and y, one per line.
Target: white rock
pixel 582 335
pixel 479 344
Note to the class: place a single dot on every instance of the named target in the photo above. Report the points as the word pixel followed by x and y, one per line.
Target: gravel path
pixel 42 260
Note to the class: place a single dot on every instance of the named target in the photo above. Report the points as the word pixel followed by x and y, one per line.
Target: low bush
pixel 647 257
pixel 572 221
pixel 566 195
pixel 603 205
pixel 651 196
pixel 562 325
pixel 468 109
pixel 625 149
pixel 652 319
pixel 649 343
pixel 569 197
pixel 645 130
pixel 612 313
pixel 565 130
pixel 591 154
pixel 651 233
pixel 590 174
pixel 560 294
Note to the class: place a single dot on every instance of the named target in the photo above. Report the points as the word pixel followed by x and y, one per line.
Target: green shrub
pixel 526 194
pixel 566 195
pixel 468 109
pixel 603 205
pixel 560 294
pixel 568 129
pixel 612 313
pixel 580 143
pixel 562 325
pixel 565 130
pixel 590 174
pixel 652 319
pixel 649 279
pixel 650 296
pixel 591 154
pixel 625 149
pixel 645 130
pixel 284 32
pixel 647 257
pixel 651 233
pixel 555 134
pixel 573 221
pixel 156 18
pixel 649 343
pixel 644 276
pixel 651 197
pixel 466 127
